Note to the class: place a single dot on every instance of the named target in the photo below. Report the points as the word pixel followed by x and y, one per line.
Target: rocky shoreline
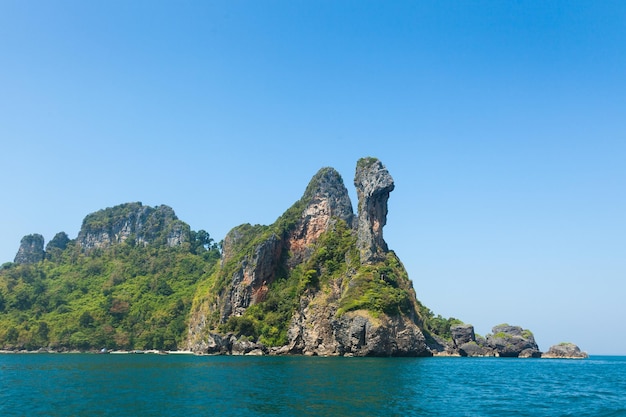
pixel 504 341
pixel 560 351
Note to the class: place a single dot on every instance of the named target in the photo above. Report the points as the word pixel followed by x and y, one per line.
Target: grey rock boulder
pixel 565 350
pixel 243 346
pixel 512 341
pixel 474 349
pixel 466 343
pixel 462 333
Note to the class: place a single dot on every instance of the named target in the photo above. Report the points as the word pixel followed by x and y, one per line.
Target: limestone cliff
pixel 31 250
pixel 312 283
pixel 144 224
pixel 373 185
pixel 326 199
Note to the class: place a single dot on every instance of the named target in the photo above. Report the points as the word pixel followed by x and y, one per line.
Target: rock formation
pixel 513 341
pixel 326 319
pixel 59 241
pixel 326 199
pixel 251 280
pixel 318 331
pixel 144 224
pixel 31 250
pixel 373 185
pixel 564 350
pixel 466 343
pixel 462 333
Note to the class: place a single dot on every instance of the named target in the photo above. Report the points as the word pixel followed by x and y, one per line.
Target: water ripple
pixel 131 385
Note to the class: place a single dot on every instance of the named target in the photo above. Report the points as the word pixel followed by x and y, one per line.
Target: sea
pixel 187 385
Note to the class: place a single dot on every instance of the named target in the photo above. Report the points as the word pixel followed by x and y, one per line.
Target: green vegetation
pixel 437 325
pixel 366 162
pixel 127 296
pixel 379 288
pixel 268 320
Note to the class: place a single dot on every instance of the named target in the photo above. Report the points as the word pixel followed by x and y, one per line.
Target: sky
pixel 503 125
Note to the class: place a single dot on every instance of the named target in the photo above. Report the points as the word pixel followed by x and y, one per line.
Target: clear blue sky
pixel 503 124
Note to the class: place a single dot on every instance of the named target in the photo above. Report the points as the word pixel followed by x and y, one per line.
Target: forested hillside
pixel 122 295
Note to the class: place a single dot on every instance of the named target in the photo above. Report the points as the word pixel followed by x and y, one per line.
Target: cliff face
pixel 132 220
pixel 326 199
pixel 336 287
pixel 251 280
pixel 31 250
pixel 373 185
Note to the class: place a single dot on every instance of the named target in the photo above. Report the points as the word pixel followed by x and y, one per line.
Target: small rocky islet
pixel 320 281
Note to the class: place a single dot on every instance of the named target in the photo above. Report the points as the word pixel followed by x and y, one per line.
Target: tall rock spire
pixel 373 184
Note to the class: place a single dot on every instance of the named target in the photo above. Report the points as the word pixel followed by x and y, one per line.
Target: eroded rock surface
pixel 513 341
pixel 373 184
pixel 251 280
pixel 326 198
pixel 466 343
pixel 144 224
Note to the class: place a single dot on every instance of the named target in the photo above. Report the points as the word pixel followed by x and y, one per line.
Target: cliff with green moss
pixel 319 281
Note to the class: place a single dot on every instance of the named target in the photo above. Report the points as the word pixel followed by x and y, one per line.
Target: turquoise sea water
pixel 181 385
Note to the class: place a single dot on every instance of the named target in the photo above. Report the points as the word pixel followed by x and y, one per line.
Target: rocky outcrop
pixel 254 256
pixel 373 185
pixel 474 349
pixel 317 330
pixel 326 199
pixel 229 344
pixel 31 250
pixel 462 333
pixel 358 334
pixel 466 343
pixel 251 280
pixel 56 246
pixel 59 241
pixel 513 341
pixel 132 222
pixel 565 350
